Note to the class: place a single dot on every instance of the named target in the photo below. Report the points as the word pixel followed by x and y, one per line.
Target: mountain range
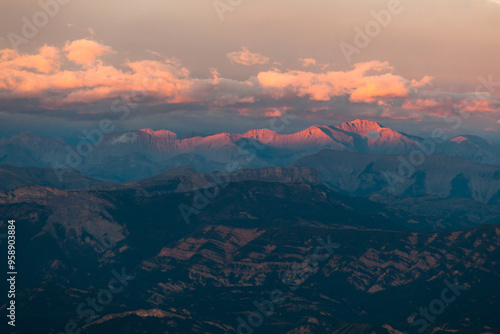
pixel 209 228
pixel 134 155
pixel 253 238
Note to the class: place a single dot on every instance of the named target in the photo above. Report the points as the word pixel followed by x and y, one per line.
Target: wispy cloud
pixel 125 138
pixel 306 62
pixel 247 58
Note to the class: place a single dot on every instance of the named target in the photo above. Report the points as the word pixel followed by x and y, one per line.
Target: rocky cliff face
pixel 261 232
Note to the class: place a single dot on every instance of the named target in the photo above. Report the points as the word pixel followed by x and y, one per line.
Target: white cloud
pixel 124 138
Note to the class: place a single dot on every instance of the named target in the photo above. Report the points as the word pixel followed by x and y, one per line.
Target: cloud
pixel 85 52
pixel 425 81
pixel 247 58
pixel 45 80
pixel 380 87
pixel 275 113
pixel 306 62
pixel 366 83
pixel 480 106
pixel 46 61
pixel 42 76
pixel 446 104
pixel 420 104
pixel 125 138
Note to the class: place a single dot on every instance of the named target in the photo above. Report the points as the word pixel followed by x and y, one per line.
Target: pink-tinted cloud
pixel 425 81
pixel 46 61
pixel 489 105
pixel 442 104
pixel 85 52
pixel 420 104
pixel 306 62
pixel 366 83
pixel 247 58
pixel 399 115
pixel 373 86
pixel 275 113
pixel 41 76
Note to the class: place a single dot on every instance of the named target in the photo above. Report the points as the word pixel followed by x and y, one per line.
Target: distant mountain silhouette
pixel 134 155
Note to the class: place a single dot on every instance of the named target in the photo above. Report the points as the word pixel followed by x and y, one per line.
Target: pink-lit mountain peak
pixel 160 133
pixel 361 127
pixel 470 139
pixel 317 131
pixel 260 134
pixel 337 137
pixel 460 139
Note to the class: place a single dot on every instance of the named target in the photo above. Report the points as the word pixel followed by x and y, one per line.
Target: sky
pixel 232 65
